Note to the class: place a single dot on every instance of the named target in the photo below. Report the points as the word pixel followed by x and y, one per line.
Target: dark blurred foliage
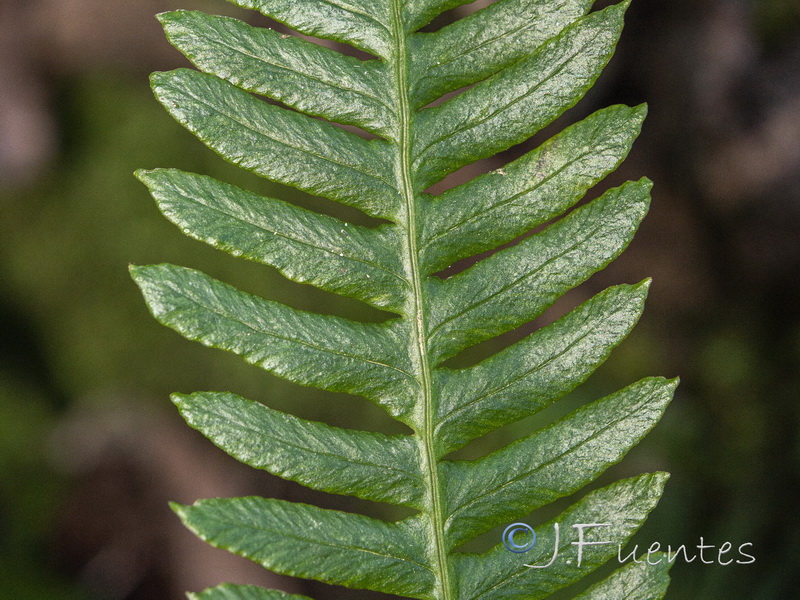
pixel 90 449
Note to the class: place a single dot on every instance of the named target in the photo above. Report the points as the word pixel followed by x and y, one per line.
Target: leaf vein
pixel 304 343
pixel 317 78
pixel 520 98
pixel 516 281
pixel 345 251
pixel 486 42
pixel 385 466
pixel 595 434
pixel 476 216
pixel 449 416
pixel 261 132
pixel 292 534
pixel 350 8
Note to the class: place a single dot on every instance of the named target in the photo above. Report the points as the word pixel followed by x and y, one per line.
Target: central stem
pixel 418 343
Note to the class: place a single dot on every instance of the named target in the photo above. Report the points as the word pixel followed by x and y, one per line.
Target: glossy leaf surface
pixel 527 62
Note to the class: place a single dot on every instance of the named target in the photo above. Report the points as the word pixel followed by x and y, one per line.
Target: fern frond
pixel 527 61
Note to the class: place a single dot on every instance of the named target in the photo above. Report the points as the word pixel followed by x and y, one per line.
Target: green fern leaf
pixel 228 591
pixel 523 63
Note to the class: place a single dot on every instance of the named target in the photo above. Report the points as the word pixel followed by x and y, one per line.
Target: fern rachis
pixel 529 61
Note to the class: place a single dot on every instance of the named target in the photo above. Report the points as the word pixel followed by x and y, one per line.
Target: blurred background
pixel 91 449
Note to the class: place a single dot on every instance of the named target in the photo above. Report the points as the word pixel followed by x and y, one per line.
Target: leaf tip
pixel 143 175
pixel 659 480
pixel 166 16
pixel 623 6
pixel 646 183
pixel 174 23
pixel 180 509
pixel 663 383
pixel 142 275
pixel 179 400
pixel 614 13
pixel 156 81
pixel 644 285
pixel 159 79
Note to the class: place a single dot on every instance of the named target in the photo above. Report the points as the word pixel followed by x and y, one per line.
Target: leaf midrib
pixel 444 585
